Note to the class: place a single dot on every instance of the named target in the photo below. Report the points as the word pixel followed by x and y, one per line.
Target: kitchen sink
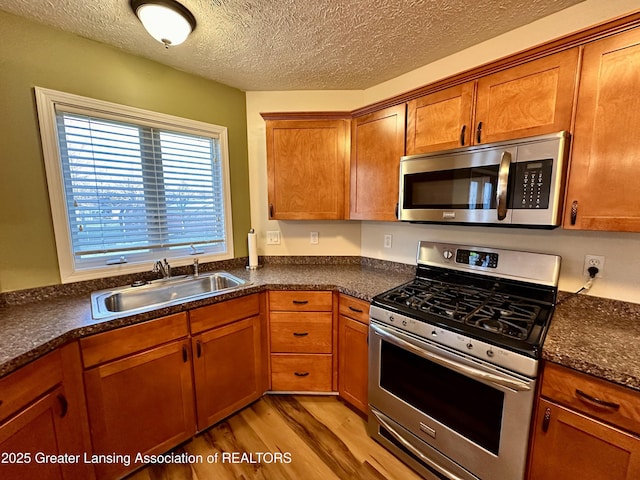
pixel 161 293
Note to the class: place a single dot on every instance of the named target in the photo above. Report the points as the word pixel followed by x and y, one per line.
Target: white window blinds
pixel 136 189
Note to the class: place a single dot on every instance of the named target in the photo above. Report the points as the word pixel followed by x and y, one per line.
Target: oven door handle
pixel 414 450
pixel 512 384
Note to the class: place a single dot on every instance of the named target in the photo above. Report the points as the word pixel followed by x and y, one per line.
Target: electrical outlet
pixel 388 239
pixel 313 238
pixel 273 237
pixel 593 261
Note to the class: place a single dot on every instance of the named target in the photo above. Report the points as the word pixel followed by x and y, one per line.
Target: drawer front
pixel 301 373
pixel 301 332
pixel 354 308
pixel 598 398
pixel 219 314
pixel 107 346
pixel 301 301
pixel 29 382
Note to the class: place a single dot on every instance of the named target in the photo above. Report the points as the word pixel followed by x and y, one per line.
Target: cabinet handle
pixel 301 374
pixel 479 132
pixel 64 405
pixel 301 302
pixel 271 210
pixel 462 132
pixel 596 401
pixel 300 334
pixel 546 420
pixel 574 212
pixel 185 355
pixel 397 211
pixel 199 348
pixel 354 309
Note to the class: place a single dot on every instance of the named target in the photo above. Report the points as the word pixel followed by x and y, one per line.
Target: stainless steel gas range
pixel 453 360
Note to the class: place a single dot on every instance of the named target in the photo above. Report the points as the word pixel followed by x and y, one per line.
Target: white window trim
pixel 46 101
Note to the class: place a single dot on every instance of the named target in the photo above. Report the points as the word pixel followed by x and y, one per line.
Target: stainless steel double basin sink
pixel 161 293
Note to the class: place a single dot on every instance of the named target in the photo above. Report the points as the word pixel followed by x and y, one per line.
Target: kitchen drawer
pixel 107 346
pixel 222 313
pixel 598 398
pixel 301 373
pixel 301 332
pixel 29 382
pixel 301 301
pixel 354 308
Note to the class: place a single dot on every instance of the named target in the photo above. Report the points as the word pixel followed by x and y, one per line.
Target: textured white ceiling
pixel 298 44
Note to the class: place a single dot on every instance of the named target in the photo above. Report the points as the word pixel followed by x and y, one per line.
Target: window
pixel 129 186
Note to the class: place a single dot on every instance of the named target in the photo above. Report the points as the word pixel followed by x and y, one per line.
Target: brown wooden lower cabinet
pixel 227 368
pixel 139 390
pixel 569 445
pixel 43 418
pixel 353 352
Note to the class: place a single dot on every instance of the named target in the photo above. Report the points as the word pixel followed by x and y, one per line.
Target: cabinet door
pixel 603 188
pixel 531 99
pixel 142 403
pixel 306 169
pixel 227 368
pixel 353 362
pixel 377 143
pixel 35 430
pixel 568 445
pixel 440 120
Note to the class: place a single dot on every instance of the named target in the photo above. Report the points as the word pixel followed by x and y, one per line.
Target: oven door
pixel 462 417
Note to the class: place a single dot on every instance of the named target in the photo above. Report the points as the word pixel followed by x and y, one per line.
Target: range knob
pixel 404 323
pixel 490 353
pixel 391 318
pixel 447 254
pixel 469 346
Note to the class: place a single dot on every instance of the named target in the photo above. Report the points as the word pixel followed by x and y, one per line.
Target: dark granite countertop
pixel 597 336
pixel 29 330
pixel 594 335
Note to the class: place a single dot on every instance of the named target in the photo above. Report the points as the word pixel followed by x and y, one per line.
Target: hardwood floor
pixel 294 437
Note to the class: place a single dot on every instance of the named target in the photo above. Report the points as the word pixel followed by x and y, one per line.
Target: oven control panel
pixel 482 350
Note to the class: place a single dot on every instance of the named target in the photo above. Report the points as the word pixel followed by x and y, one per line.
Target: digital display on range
pixel 478 259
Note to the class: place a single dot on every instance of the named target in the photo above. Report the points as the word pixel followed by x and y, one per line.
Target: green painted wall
pixel 35 55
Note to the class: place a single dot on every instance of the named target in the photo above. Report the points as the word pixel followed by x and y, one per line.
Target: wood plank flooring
pixel 317 437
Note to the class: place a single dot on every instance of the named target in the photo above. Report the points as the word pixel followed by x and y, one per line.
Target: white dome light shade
pixel 167 21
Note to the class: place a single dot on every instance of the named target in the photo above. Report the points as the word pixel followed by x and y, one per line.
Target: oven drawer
pixel 301 333
pixel 305 373
pixel 600 399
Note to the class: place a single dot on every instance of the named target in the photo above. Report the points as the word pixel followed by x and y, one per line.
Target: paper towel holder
pixel 252 267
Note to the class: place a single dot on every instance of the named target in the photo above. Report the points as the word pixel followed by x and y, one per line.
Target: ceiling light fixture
pixel 166 20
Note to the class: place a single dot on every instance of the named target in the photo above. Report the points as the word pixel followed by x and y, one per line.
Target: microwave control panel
pixel 532 184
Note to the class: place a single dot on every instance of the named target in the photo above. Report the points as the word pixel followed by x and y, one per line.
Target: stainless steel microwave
pixel 512 183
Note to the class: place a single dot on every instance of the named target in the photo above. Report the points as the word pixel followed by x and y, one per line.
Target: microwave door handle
pixel 503 185
pixel 465 370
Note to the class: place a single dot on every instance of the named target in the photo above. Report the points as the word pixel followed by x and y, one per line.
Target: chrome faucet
pixel 164 269
pixel 196 271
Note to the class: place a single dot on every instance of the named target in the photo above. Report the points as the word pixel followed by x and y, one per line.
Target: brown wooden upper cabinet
pixel 307 168
pixel 603 190
pixel 377 143
pixel 533 98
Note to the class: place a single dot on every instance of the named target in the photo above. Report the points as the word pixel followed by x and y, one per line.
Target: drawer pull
pixel 596 401
pixel 354 309
pixel 546 419
pixel 300 302
pixel 185 355
pixel 301 374
pixel 64 406
pixel 300 334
